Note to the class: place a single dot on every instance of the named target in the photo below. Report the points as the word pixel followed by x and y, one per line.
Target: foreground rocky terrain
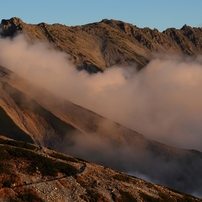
pixel 32 173
pixel 100 45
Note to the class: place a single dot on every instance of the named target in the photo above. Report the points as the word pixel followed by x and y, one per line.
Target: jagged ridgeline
pixel 100 45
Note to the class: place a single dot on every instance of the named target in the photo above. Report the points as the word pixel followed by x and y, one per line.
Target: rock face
pixel 100 45
pixel 31 173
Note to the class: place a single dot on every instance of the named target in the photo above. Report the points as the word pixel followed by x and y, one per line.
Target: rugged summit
pixel 100 45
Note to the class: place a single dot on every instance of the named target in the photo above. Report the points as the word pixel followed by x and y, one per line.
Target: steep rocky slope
pixel 99 45
pixel 31 173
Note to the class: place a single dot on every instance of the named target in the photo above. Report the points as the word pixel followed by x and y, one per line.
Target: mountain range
pixel 112 42
pixel 34 115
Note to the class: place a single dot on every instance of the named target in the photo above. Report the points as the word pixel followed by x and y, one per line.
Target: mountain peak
pixel 185 27
pixel 10 26
pixel 13 20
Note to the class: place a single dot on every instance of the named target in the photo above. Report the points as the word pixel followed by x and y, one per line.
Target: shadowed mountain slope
pixel 100 45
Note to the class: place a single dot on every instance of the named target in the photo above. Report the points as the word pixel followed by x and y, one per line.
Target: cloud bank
pixel 162 101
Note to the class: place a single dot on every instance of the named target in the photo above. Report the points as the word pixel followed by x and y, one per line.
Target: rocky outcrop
pixel 11 27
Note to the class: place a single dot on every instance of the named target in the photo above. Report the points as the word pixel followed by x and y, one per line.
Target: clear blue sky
pixel 160 14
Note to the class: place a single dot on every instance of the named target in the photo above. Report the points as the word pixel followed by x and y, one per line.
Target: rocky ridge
pixel 103 44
